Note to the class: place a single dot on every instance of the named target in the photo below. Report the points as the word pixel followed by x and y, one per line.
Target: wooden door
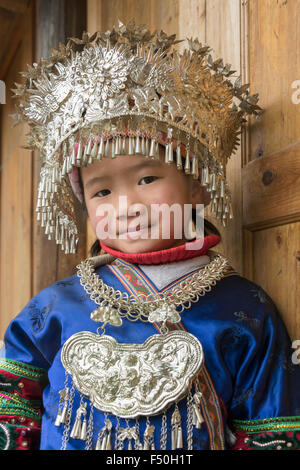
pixel 271 170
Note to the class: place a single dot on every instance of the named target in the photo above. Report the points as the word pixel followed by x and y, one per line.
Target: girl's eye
pixel 103 192
pixel 147 179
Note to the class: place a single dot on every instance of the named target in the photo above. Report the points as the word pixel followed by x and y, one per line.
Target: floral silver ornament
pixel 164 313
pixel 106 314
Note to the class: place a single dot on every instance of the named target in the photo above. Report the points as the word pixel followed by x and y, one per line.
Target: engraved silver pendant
pixel 132 380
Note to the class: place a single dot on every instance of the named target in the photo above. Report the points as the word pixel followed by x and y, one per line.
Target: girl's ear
pixel 200 195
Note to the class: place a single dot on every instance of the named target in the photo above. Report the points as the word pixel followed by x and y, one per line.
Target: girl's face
pixel 124 197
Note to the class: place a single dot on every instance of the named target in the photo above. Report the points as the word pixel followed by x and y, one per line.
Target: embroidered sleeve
pixel 267 434
pixel 265 406
pixel 21 387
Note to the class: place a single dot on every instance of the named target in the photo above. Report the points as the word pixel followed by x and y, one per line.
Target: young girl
pixel 157 343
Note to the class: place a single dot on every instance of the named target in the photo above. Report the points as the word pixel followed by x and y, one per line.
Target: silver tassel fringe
pixel 177 440
pixel 79 430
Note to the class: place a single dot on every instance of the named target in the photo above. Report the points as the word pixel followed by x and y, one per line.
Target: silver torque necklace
pixel 113 305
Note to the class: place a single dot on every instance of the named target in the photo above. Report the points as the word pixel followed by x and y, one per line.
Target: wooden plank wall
pixel 29 261
pixel 272 178
pixel 16 182
pixel 56 21
pixel 218 24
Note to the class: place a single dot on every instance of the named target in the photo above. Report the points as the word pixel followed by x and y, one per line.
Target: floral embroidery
pixel 64 283
pixel 38 316
pixel 281 360
pixel 289 440
pixel 242 397
pixel 84 297
pixel 261 295
pixel 246 318
pixel 232 338
pixel 278 433
pixel 275 441
pixel 8 384
pixel 8 436
pixel 20 404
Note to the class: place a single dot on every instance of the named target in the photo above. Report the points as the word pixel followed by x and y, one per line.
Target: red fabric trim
pixel 241 441
pixel 27 388
pixel 20 421
pixel 27 429
pixel 28 439
pixel 177 253
pixel 244 440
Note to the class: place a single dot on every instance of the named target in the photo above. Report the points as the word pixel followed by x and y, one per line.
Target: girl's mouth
pixel 136 232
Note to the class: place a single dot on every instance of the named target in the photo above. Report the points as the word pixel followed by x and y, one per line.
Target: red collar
pixel 177 253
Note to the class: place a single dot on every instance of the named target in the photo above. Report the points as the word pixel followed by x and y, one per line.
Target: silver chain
pixel 138 307
pixel 90 429
pixel 117 442
pixel 66 433
pixel 137 427
pixel 163 435
pixel 189 401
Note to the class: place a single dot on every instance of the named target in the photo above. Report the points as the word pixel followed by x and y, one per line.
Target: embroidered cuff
pixel 21 387
pixel 280 433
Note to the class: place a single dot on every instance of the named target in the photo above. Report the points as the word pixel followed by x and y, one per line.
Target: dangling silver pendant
pixel 177 440
pixel 149 438
pixel 104 437
pixel 130 434
pixel 197 416
pixel 62 414
pixel 79 429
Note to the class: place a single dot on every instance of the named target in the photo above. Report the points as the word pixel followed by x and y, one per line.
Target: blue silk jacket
pixel 249 382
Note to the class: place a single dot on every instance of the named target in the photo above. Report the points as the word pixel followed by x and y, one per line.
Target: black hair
pixel 209 228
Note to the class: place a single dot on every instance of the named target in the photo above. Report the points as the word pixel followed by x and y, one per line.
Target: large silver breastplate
pixel 131 380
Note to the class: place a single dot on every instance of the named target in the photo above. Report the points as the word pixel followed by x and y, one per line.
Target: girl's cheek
pixel 166 196
pixel 158 195
pixel 94 213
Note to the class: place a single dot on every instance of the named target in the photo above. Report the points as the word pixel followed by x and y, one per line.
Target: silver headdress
pixel 129 84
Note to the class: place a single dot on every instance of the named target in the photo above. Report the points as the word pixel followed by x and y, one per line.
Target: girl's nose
pixel 127 209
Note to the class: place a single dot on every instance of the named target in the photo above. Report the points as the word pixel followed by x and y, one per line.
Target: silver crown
pixel 129 85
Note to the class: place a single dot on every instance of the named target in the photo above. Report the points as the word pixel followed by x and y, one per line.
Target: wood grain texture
pixel 29 261
pixel 11 27
pixel 271 189
pixel 16 195
pixel 223 35
pixel 276 267
pixel 56 21
pixel 15 6
pixel 275 65
pixel 271 197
